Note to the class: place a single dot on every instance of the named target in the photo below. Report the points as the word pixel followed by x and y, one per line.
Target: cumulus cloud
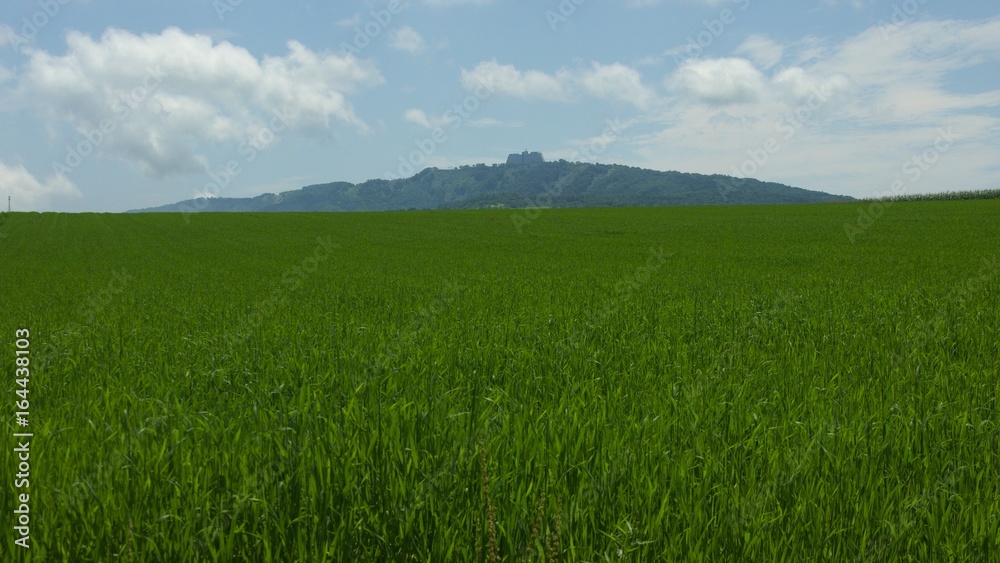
pixel 732 80
pixel 407 39
pixel 814 117
pixel 507 79
pixel 157 97
pixel 616 82
pixel 719 81
pixel 30 193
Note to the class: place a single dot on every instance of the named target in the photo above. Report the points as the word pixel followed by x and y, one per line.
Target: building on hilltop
pixel 525 158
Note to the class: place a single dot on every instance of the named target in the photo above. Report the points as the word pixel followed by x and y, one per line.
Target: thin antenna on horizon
pixel 8 204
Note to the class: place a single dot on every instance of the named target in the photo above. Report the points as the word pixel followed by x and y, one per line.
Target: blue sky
pixel 112 105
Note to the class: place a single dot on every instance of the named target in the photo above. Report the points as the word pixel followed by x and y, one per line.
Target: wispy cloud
pixel 421 118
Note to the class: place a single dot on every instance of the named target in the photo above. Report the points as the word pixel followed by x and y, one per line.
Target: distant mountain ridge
pixel 546 184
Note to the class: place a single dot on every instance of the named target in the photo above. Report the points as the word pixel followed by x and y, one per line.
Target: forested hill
pixel 549 184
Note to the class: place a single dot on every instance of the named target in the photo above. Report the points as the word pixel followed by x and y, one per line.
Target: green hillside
pixel 551 184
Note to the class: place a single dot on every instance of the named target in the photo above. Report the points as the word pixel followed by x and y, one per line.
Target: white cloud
pixel 842 117
pixel 407 39
pixel 728 81
pixel 616 82
pixel 506 79
pixel 422 119
pixel 27 192
pixel 167 93
pixel 719 81
pixel 764 52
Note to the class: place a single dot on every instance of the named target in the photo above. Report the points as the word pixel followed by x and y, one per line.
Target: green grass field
pixel 700 383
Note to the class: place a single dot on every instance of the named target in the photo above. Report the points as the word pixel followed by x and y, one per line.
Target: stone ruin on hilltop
pixel 525 158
